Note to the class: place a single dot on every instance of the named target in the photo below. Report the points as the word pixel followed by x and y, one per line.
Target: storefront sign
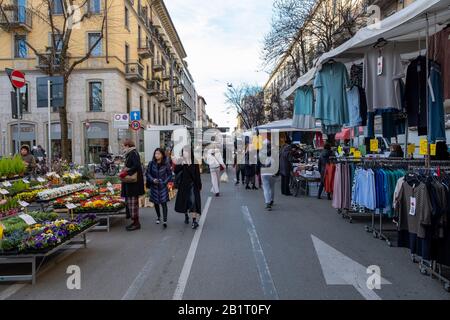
pixel 433 149
pixel 423 147
pixel 411 148
pixel 374 145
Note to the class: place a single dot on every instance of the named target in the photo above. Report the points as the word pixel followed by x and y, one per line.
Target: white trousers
pixel 215 180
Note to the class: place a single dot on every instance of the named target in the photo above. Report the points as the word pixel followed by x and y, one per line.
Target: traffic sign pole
pixel 49 148
pixel 19 115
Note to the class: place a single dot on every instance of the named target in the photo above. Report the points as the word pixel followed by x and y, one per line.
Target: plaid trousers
pixel 133 206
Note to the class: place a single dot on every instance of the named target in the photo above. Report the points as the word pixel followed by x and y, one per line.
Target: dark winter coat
pixel 133 163
pixel 285 161
pixel 190 176
pixel 159 193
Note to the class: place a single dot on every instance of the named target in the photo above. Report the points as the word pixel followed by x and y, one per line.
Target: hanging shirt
pixel 383 90
pixel 303 108
pixel 415 95
pixel 354 107
pixel 331 97
pixel 440 52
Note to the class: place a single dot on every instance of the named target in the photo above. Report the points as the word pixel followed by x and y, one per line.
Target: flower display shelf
pixel 105 216
pixel 31 257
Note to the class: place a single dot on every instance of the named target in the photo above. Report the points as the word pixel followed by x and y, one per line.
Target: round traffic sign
pixel 135 125
pixel 17 79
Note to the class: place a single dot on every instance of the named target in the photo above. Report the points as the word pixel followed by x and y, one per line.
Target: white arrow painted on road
pixel 338 269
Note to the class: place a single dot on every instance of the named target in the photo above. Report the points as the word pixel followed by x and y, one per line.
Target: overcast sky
pixel 222 39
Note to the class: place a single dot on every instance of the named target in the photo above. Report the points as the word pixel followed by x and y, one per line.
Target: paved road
pixel 241 252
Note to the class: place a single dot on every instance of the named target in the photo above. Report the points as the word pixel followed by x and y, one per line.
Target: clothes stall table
pixel 300 183
pixel 32 259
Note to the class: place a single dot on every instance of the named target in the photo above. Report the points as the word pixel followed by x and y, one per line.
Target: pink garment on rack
pixel 337 188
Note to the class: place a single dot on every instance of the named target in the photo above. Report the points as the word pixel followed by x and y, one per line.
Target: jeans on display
pixel 436 105
pixel 268 182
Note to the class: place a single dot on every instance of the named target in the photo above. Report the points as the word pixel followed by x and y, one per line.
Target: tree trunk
pixel 64 125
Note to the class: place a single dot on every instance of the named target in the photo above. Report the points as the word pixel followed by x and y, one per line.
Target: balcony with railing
pixel 14 17
pixel 153 87
pixel 176 82
pixel 165 75
pixel 163 96
pixel 145 49
pixel 134 71
pixel 158 65
pixel 179 90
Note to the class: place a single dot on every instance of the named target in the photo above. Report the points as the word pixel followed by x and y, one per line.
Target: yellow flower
pixel 49 231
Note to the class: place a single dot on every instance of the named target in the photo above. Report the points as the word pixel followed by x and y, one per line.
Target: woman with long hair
pixel 132 190
pixel 189 186
pixel 158 174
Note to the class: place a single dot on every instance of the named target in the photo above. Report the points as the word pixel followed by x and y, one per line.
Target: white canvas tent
pixel 285 126
pixel 409 24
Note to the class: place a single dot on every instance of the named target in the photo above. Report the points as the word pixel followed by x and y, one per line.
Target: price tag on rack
pixel 423 150
pixel 374 145
pixel 433 149
pixel 26 181
pixel 411 148
pixel 352 150
pixel 357 154
pixel 24 204
pixel 7 184
pixel 70 206
pixel 29 220
pixel 4 191
pixel 40 179
pixel 2 227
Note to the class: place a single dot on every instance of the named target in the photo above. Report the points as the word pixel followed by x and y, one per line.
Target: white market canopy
pixel 285 126
pixel 408 24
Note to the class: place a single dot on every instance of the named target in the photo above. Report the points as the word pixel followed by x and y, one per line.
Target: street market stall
pixel 396 69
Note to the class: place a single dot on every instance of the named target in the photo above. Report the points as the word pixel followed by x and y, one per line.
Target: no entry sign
pixel 17 79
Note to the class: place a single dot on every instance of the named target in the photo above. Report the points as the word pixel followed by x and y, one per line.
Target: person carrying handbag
pixel 132 178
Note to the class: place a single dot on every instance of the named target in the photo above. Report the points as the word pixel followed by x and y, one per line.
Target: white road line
pixel 140 279
pixel 268 286
pixel 186 271
pixel 14 288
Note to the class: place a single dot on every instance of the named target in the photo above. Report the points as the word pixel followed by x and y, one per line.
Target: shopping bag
pixel 224 177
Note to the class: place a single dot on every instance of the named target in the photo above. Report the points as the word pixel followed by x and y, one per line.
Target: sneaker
pixel 194 225
pixel 237 183
pixel 217 194
pixel 158 221
pixel 268 207
pixel 165 225
pixel 271 203
pixel 247 188
pixel 254 188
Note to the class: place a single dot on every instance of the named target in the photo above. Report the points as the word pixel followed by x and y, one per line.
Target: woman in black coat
pixel 158 174
pixel 190 184
pixel 132 191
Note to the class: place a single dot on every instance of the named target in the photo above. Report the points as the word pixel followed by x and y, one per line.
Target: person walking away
pixel 28 159
pixel 324 158
pixel 250 170
pixel 240 170
pixel 396 151
pixel 132 182
pixel 189 183
pixel 268 180
pixel 215 163
pixel 285 168
pixel 158 175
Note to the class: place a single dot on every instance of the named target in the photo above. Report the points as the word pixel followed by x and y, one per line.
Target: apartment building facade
pixel 137 65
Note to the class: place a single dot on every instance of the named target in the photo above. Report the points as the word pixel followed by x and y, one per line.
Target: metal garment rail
pixel 32 258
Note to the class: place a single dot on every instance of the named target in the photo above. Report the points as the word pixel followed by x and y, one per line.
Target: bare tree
pixel 57 57
pixel 248 101
pixel 289 17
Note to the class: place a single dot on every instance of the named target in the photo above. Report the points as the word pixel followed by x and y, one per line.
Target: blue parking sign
pixel 135 115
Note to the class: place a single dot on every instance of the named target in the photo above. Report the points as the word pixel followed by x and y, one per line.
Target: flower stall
pixel 24 239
